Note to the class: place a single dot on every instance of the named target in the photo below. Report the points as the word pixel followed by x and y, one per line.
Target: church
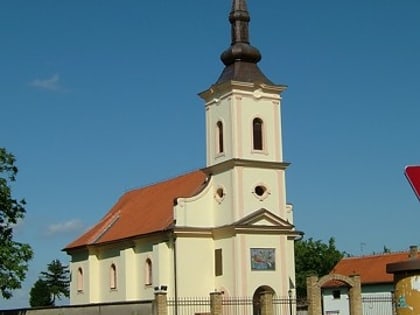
pixel 226 227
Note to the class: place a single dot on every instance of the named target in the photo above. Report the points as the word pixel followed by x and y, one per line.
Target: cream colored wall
pixel 131 270
pixel 197 210
pixel 143 250
pixel 92 276
pixel 79 260
pixel 131 274
pixel 237 109
pixel 218 110
pixel 240 199
pixel 227 282
pixel 108 257
pixel 162 265
pixel 277 279
pixel 195 266
pixel 273 180
pixel 239 280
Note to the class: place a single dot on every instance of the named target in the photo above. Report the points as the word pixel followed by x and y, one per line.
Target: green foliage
pixel 314 258
pixel 57 278
pixel 14 256
pixel 40 294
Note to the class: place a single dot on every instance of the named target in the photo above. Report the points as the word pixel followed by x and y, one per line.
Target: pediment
pixel 263 218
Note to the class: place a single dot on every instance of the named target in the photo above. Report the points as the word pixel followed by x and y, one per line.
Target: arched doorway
pixel 257 298
pixel 314 292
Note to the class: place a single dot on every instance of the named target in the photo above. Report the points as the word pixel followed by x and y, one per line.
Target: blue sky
pixel 99 97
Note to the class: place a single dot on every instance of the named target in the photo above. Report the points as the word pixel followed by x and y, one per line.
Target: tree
pixel 314 258
pixel 14 256
pixel 57 279
pixel 40 294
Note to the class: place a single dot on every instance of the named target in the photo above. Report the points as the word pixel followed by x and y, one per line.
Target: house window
pixel 148 276
pixel 257 134
pixel 336 294
pixel 218 262
pixel 220 148
pixel 113 277
pixel 79 279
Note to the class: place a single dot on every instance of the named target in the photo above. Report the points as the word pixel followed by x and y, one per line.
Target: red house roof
pixel 142 211
pixel 371 269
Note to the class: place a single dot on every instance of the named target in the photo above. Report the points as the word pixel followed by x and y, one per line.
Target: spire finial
pixel 241 58
pixel 240 49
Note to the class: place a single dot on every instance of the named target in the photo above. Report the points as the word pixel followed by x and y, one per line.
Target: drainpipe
pixel 175 274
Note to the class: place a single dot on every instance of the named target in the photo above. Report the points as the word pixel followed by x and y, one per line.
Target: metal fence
pixel 232 306
pixel 372 305
pixel 189 306
pixel 237 306
pixel 377 305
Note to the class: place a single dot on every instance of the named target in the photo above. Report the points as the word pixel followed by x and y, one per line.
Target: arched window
pixel 257 134
pixel 113 277
pixel 220 148
pixel 148 276
pixel 80 279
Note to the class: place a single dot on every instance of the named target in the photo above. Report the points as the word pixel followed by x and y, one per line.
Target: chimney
pixel 412 254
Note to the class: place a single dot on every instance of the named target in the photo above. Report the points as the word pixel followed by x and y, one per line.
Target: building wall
pixel 130 262
pixel 247 201
pixel 340 305
pixel 250 279
pixel 236 109
pixel 195 266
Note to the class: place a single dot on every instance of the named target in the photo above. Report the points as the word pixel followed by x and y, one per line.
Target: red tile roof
pixel 142 211
pixel 371 269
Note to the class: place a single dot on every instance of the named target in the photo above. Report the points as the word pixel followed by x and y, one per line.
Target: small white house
pixel 226 227
pixel 377 284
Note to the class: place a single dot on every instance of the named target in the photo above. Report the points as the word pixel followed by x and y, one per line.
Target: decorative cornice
pixel 229 164
pixel 231 230
pixel 227 87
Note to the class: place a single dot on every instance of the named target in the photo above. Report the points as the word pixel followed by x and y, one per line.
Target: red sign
pixel 413 175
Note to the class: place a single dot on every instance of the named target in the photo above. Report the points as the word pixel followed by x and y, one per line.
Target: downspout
pixel 175 274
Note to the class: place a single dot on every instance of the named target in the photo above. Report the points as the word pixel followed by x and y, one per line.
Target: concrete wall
pixel 135 308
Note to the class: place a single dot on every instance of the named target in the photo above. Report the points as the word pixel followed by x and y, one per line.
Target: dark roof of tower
pixel 241 59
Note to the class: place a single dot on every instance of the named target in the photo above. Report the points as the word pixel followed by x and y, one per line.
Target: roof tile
pixel 142 211
pixel 371 269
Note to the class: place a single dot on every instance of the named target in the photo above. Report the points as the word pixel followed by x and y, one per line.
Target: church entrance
pixel 258 298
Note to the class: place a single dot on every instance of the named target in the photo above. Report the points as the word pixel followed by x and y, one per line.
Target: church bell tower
pixel 243 106
pixel 244 157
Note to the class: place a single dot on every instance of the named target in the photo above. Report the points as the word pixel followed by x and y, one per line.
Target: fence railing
pixel 237 306
pixel 233 306
pixel 189 306
pixel 372 305
pixel 377 305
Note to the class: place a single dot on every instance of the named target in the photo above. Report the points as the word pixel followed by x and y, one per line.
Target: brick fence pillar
pixel 355 295
pixel 216 303
pixel 160 303
pixel 314 296
pixel 266 301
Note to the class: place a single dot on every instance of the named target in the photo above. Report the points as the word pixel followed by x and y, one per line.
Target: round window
pixel 260 190
pixel 220 193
